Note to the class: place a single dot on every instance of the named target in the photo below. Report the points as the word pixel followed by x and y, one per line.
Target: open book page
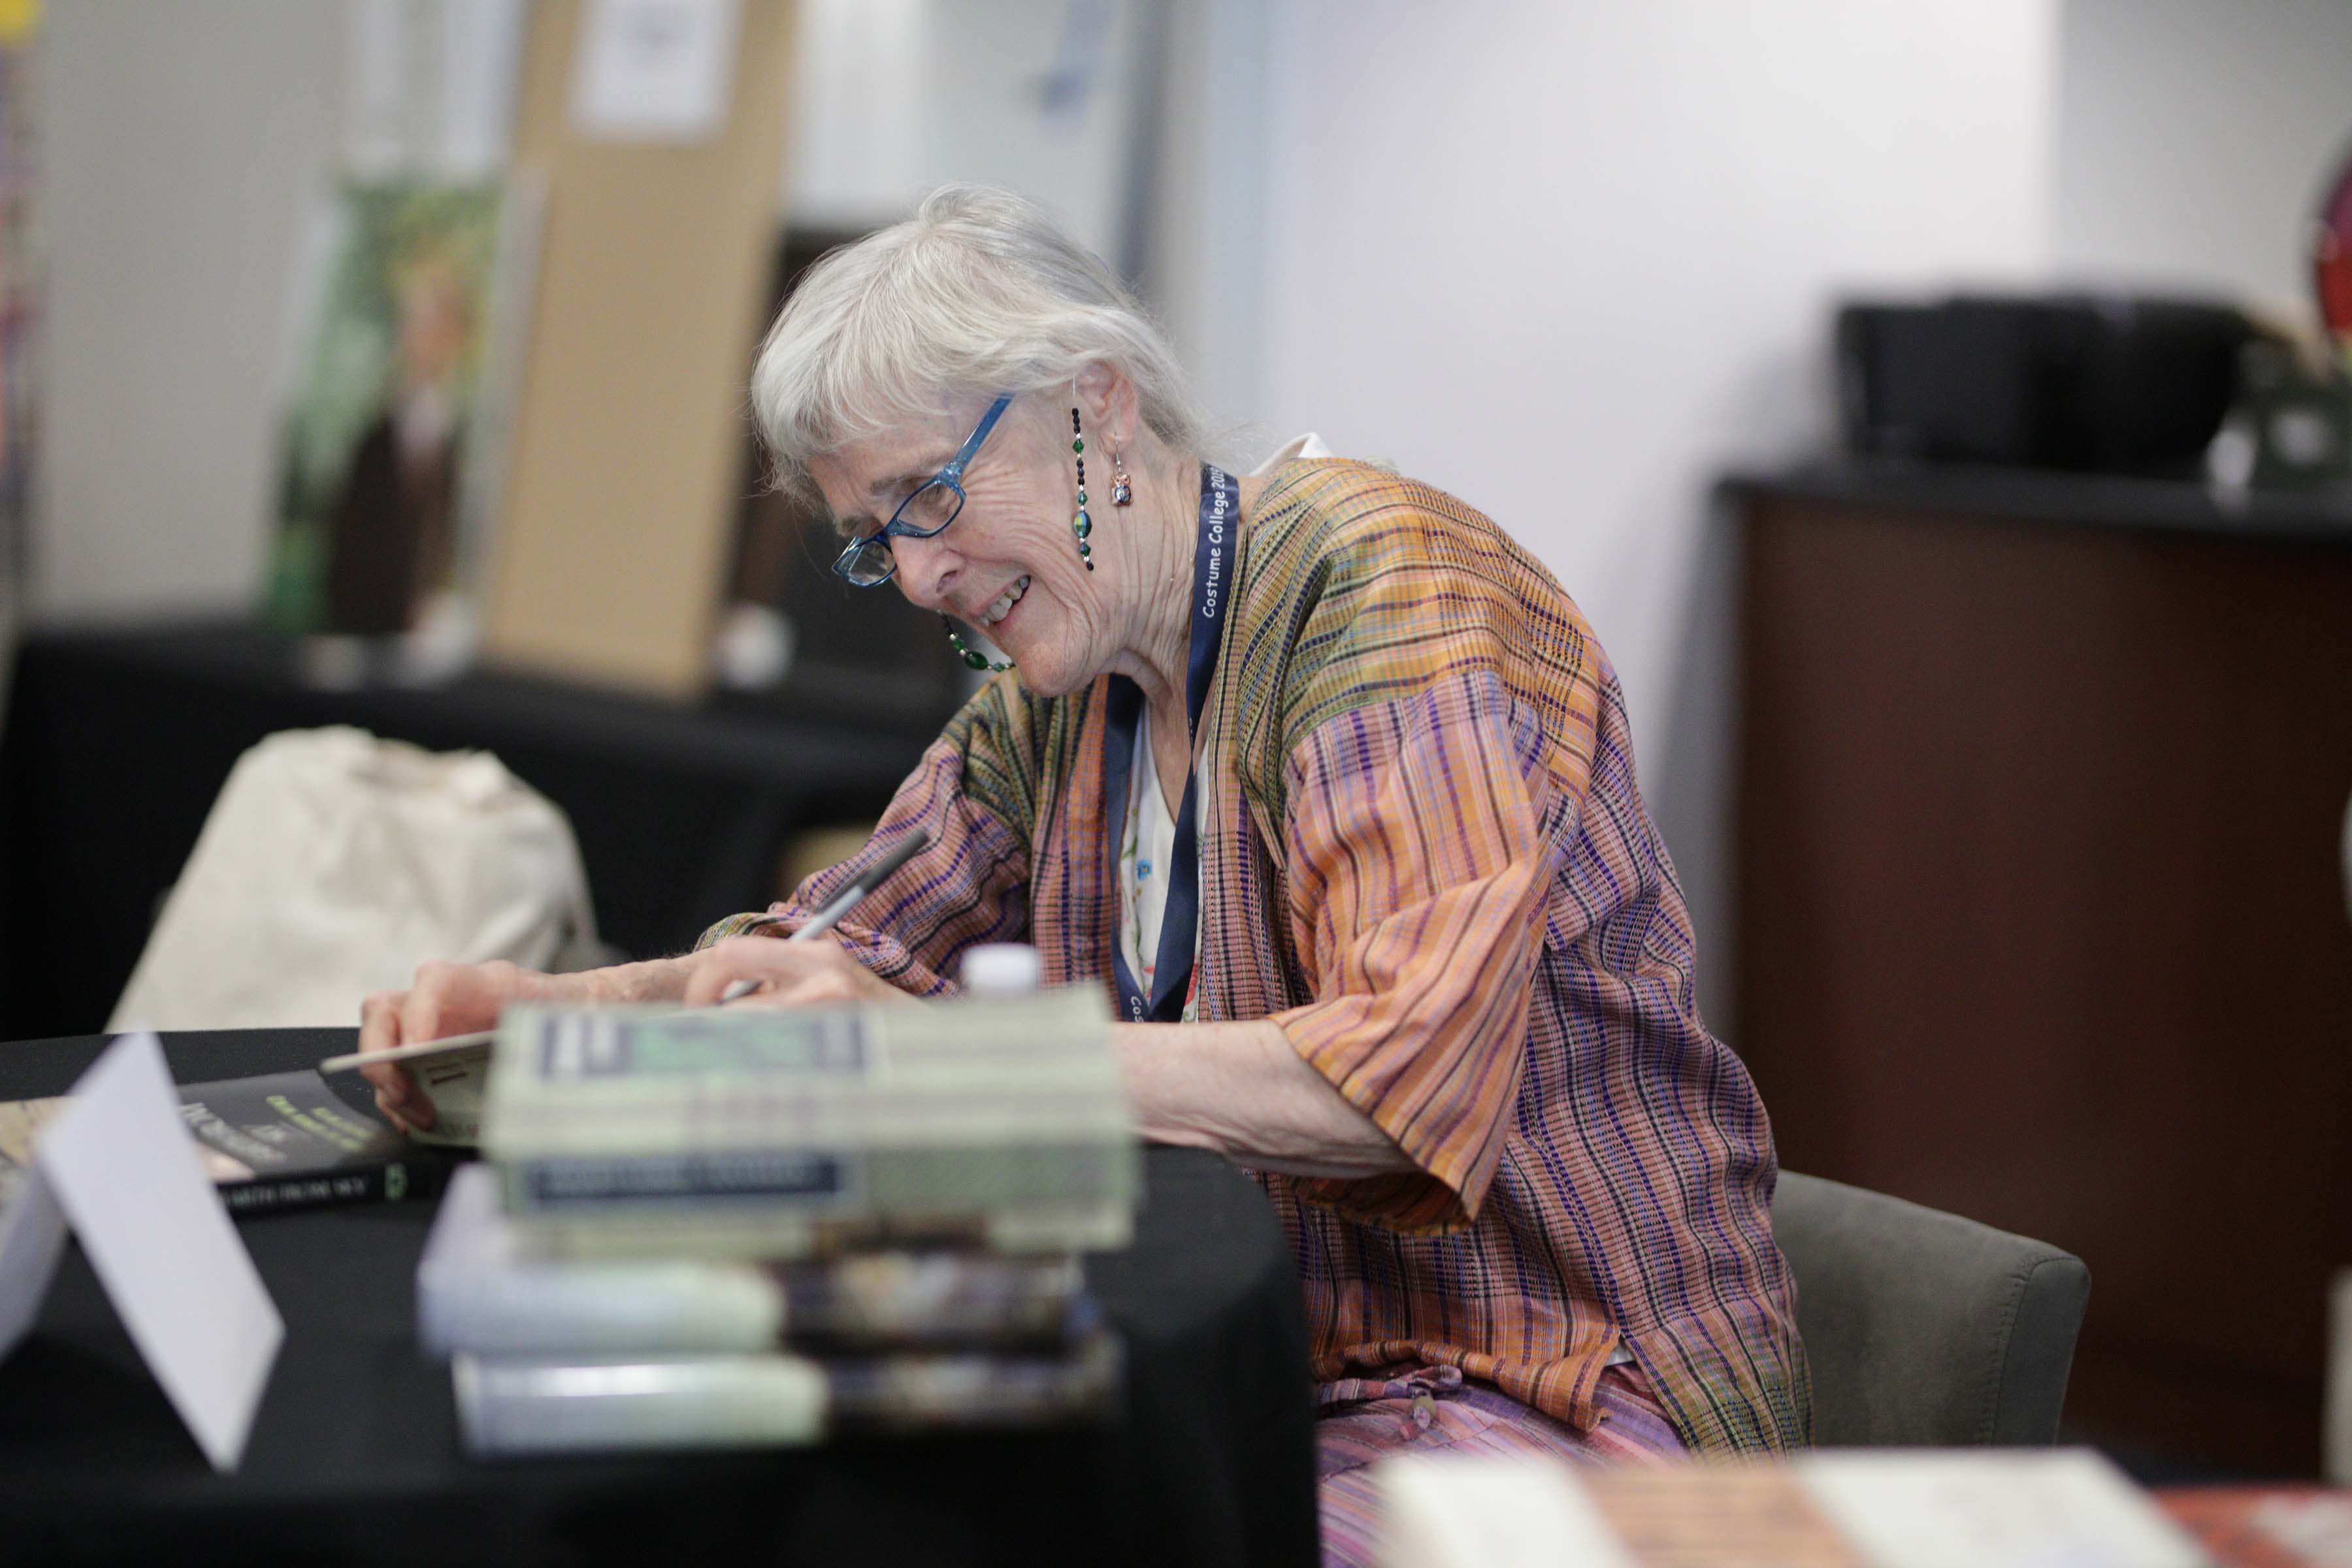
pixel 21 1122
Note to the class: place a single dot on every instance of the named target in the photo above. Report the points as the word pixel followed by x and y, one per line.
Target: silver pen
pixel 848 898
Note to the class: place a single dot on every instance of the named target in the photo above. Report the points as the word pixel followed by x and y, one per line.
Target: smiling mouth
pixel 1004 602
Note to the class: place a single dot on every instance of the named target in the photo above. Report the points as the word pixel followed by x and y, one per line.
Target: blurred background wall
pixel 1566 260
pixel 2191 138
pixel 182 144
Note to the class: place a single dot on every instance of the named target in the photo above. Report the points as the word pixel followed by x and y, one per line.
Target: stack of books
pixel 754 1226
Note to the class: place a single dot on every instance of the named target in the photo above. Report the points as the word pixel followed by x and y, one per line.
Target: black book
pixel 281 1141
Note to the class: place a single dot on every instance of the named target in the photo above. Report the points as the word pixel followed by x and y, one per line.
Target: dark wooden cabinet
pixel 2041 904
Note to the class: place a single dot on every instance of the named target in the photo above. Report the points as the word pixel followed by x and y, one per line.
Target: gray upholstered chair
pixel 1923 1327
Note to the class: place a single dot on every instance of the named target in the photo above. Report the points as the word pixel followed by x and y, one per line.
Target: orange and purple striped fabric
pixel 1423 1415
pixel 1422 853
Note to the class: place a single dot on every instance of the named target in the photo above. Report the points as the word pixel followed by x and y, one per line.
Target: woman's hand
pixel 444 999
pixel 447 999
pixel 788 974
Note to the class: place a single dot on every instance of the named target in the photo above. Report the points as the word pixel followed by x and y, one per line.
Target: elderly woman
pixel 1329 782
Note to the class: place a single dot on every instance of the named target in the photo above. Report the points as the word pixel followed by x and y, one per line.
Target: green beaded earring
pixel 1081 526
pixel 971 656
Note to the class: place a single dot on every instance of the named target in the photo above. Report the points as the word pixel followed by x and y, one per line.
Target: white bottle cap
pixel 1000 969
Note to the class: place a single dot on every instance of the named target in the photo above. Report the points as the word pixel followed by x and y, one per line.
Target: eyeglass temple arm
pixel 979 433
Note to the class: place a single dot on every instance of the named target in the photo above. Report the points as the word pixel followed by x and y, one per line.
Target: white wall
pixel 1205 254
pixel 894 97
pixel 1569 260
pixel 179 143
pixel 2195 138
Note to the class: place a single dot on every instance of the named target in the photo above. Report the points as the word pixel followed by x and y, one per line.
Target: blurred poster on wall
pixel 412 294
pixel 19 27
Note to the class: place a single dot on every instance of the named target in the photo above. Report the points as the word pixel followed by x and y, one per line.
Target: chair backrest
pixel 1923 1327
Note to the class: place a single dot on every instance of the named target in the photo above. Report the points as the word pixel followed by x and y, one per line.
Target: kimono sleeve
pixel 1434 735
pixel 1419 862
pixel 970 885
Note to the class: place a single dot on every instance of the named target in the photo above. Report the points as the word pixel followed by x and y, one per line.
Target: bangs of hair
pixel 979 293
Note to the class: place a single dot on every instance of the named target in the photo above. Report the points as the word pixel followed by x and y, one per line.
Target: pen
pixel 848 898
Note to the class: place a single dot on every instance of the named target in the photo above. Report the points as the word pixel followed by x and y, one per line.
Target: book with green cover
pixel 279 1141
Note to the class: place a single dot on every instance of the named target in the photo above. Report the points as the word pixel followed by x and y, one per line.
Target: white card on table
pixel 124 1170
pixel 32 1239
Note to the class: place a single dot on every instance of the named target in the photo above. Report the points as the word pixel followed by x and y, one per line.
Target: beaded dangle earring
pixel 1121 492
pixel 1081 526
pixel 971 656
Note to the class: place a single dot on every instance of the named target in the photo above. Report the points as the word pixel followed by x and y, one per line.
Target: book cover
pixel 281 1141
pixel 911 1182
pixel 648 1403
pixel 2275 1526
pixel 729 1233
pixel 479 1290
pixel 592 1082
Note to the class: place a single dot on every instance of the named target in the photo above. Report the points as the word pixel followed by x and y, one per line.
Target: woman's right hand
pixel 444 999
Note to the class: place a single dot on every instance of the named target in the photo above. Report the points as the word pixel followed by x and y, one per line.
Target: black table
pixel 355 1458
pixel 114 743
pixel 1986 493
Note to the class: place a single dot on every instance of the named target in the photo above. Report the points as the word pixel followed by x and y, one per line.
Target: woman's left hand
pixel 790 973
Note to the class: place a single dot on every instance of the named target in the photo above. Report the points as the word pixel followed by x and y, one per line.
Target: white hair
pixel 979 293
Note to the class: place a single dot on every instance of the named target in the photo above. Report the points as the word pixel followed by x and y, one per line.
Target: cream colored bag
pixel 334 863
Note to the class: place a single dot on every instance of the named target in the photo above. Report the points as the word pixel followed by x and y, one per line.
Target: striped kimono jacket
pixel 1422 855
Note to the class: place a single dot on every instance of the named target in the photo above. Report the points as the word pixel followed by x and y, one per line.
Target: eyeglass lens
pixel 926 511
pixel 866 563
pixel 932 508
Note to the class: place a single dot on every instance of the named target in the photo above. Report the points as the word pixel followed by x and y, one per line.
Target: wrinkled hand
pixel 790 973
pixel 444 999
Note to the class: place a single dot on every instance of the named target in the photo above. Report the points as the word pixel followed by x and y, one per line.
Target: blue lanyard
pixel 1212 571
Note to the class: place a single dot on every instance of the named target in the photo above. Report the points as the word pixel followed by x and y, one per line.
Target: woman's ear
pixel 1109 402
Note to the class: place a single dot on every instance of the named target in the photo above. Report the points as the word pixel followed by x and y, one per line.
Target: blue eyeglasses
pixel 868 563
